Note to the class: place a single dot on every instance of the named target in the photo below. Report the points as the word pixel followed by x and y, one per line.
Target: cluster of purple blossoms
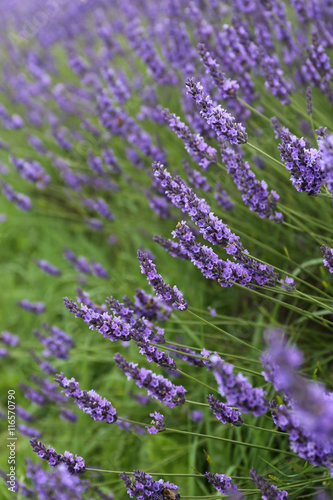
pixel 328 257
pixel 226 86
pixel 33 395
pixel 204 258
pixel 44 365
pixel 269 491
pixel 171 296
pixel 81 264
pixel 145 49
pixel 147 306
pixel 31 171
pixel 157 424
pixel 288 284
pixel 194 143
pixel 89 402
pixel 117 87
pixel 48 268
pixel 35 307
pixel 195 177
pixel 304 163
pixel 173 248
pixel 310 403
pixel 54 345
pixel 223 198
pixel 27 431
pixel 254 192
pixel 20 200
pixel 302 441
pixel 224 413
pixel 143 486
pixel 156 385
pixel 221 483
pixel 222 122
pixel 54 484
pixel 9 338
pixel 211 227
pixel 74 465
pixel 237 389
pixel 275 81
pixel 325 143
pixel 100 206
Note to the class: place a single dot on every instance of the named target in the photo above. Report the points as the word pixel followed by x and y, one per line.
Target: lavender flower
pixel 305 165
pixel 171 296
pixel 68 415
pixel 35 307
pixel 195 177
pixel 227 87
pixel 31 171
pixel 221 483
pixel 288 284
pixel 157 386
pixel 9 338
pixel 28 431
pixel 44 265
pixel 143 486
pixel 58 483
pixel 74 465
pixel 219 119
pixel 224 413
pixel 196 416
pixel 80 263
pixel 269 491
pixel 33 395
pixel 302 441
pixel 44 365
pixel 53 346
pixel 89 402
pixel 309 101
pixel 223 198
pixel 275 80
pixel 98 270
pixel 325 143
pixel 237 389
pixel 24 414
pixel 194 143
pixel 147 306
pixel 4 353
pixel 157 424
pixel 311 405
pixel 20 200
pixel 254 192
pixel 212 228
pixel 328 257
pixel 153 354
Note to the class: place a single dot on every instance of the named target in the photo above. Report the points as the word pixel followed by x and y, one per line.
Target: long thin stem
pixel 197 380
pixel 222 331
pixel 266 154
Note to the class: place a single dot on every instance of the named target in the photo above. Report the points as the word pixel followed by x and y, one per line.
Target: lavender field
pixel 166 249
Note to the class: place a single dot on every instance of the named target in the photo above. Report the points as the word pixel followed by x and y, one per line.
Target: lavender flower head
pixel 156 385
pixel 48 268
pixel 55 484
pixel 269 491
pixel 328 257
pixel 304 163
pixel 237 389
pixel 221 483
pixel 222 122
pixel 21 201
pixel 74 465
pixel 143 486
pixel 227 87
pixel 89 402
pixel 157 424
pixel 224 413
pixel 34 307
pixel 171 296
pixel 9 338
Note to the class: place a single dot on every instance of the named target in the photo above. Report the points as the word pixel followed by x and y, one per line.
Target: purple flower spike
pixel 143 486
pixel 304 163
pixel 269 491
pixel 89 402
pixel 227 87
pixel 74 465
pixel 288 284
pixel 221 483
pixel 194 143
pixel 45 266
pixel 9 339
pixel 171 296
pixel 222 122
pixel 237 389
pixel 224 413
pixel 34 307
pixel 328 257
pixel 157 424
pixel 156 385
pixel 20 200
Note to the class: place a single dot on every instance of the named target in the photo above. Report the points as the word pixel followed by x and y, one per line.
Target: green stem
pixel 244 358
pixel 223 331
pixel 196 380
pixel 266 154
pixel 254 110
